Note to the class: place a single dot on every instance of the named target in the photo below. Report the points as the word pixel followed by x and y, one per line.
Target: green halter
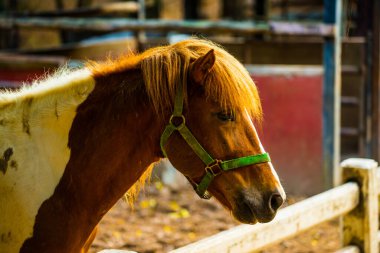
pixel 213 166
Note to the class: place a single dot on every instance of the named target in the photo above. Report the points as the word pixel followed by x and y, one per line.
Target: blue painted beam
pixel 331 94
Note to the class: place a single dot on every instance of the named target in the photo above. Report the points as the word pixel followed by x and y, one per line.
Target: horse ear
pixel 202 66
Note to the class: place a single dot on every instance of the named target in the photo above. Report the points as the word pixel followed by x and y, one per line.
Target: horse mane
pixel 131 195
pixel 164 68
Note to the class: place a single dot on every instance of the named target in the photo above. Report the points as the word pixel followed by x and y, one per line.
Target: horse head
pixel 211 138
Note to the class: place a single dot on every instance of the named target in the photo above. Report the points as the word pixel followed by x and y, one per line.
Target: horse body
pixel 72 150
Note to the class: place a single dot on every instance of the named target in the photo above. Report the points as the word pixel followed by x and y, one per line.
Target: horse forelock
pixel 228 83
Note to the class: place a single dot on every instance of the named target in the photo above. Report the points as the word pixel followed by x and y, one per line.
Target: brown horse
pixel 74 143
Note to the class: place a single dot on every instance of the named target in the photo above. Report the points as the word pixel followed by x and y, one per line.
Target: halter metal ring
pixel 181 124
pixel 209 168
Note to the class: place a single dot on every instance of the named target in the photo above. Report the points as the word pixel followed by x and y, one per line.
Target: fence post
pixel 360 226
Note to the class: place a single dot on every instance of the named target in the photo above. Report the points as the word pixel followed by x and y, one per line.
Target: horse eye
pixel 226 116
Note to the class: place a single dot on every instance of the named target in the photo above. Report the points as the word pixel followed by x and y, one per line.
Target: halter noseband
pixel 214 167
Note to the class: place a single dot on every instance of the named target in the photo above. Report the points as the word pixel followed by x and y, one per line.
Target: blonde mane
pixel 165 67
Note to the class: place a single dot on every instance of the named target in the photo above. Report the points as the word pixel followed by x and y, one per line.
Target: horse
pixel 74 143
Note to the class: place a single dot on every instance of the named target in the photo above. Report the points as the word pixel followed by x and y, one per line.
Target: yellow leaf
pixel 148 203
pixel 174 215
pixel 144 204
pixel 184 213
pixel 174 206
pixel 152 203
pixel 116 234
pixel 181 213
pixel 168 229
pixel 159 185
pixel 139 233
pixel 191 235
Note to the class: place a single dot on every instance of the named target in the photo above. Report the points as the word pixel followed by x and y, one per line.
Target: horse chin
pixel 245 214
pixel 251 220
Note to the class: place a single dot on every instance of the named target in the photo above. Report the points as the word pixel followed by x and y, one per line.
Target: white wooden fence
pixel 356 202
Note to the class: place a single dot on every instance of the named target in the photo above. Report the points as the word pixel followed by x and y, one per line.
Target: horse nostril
pixel 275 201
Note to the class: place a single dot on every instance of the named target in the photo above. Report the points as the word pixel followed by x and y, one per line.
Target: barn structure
pixel 316 64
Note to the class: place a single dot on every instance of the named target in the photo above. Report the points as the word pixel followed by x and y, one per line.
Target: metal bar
pixel 141 37
pixel 376 81
pixel 352 69
pixel 141 10
pixel 284 70
pixel 344 22
pixel 349 131
pixel 262 9
pixel 117 24
pixel 288 222
pixel 108 8
pixel 350 100
pixel 308 3
pixel 307 28
pixel 367 95
pixel 331 95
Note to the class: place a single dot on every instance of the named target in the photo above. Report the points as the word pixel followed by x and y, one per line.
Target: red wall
pixel 16 77
pixel 292 128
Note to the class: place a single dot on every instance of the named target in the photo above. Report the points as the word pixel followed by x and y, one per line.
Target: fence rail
pixel 356 201
pixel 289 221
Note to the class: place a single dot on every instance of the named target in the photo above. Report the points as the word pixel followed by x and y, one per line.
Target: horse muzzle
pixel 251 207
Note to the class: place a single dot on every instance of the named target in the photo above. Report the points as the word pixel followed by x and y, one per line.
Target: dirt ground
pixel 164 219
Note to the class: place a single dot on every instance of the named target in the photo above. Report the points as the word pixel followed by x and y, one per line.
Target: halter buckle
pixel 210 168
pixel 205 195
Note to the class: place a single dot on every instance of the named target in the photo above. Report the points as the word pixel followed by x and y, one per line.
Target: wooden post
pixel 331 95
pixel 360 226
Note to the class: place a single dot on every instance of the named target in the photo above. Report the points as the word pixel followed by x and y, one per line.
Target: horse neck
pixel 113 139
pixel 115 136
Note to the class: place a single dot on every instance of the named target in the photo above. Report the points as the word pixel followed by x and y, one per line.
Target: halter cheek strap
pixel 214 167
